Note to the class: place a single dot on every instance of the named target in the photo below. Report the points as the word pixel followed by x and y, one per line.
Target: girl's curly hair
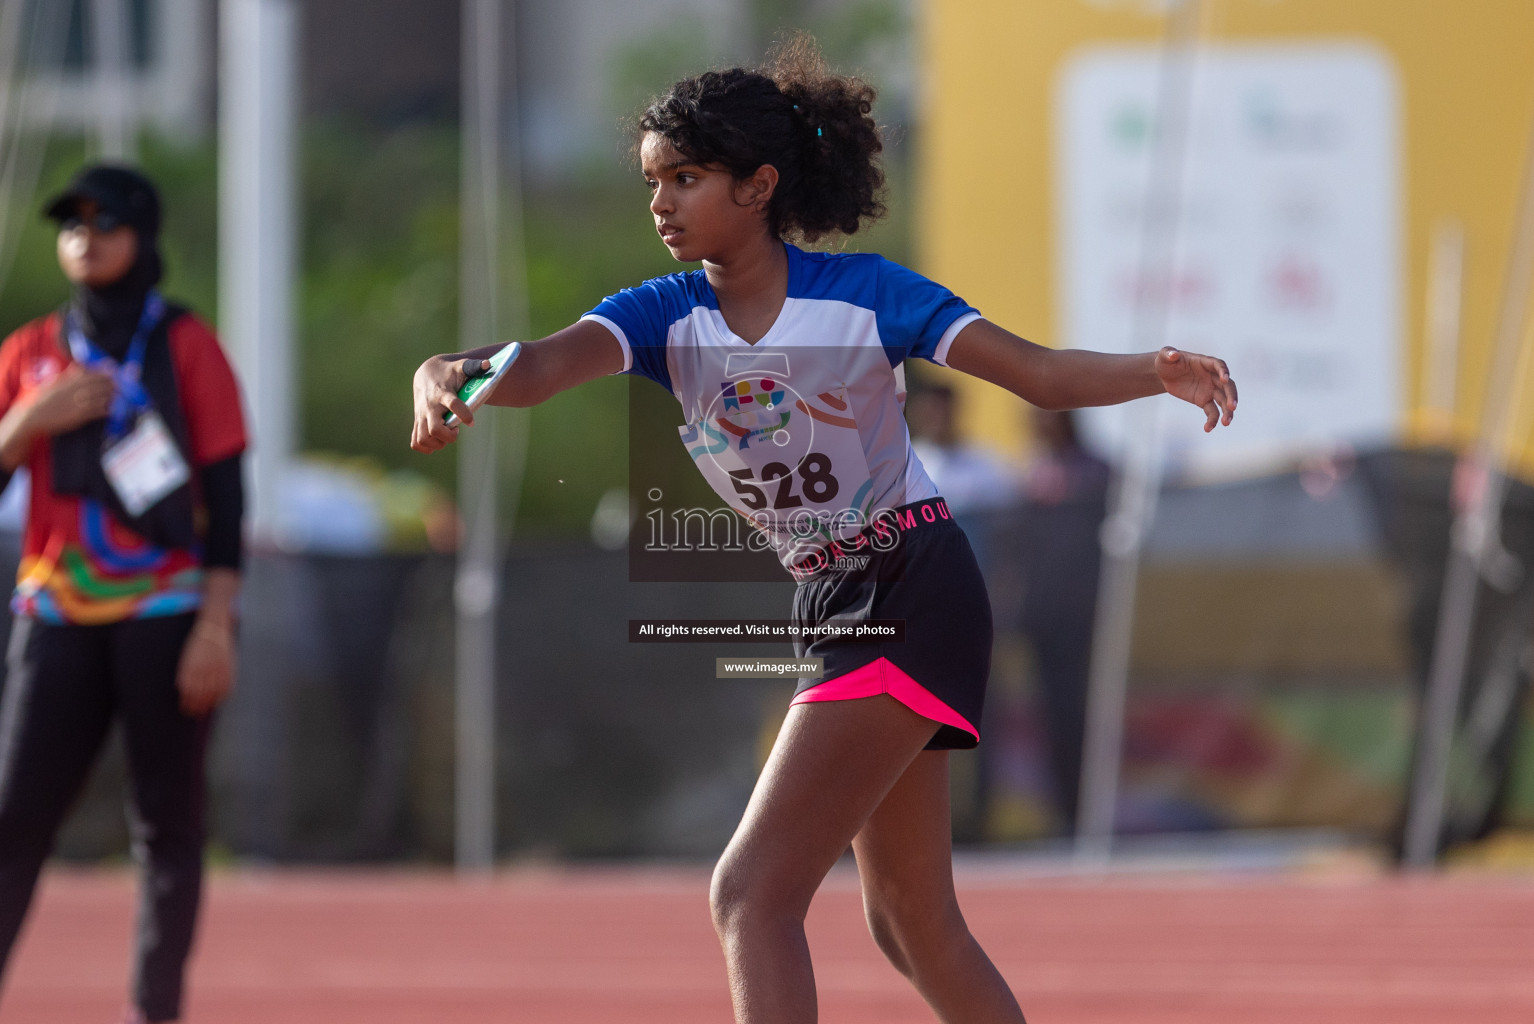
pixel 814 126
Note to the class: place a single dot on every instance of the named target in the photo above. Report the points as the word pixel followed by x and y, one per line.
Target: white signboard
pixel 1286 259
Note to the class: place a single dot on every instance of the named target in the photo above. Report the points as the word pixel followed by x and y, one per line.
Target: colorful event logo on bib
pixel 752 408
pixel 784 451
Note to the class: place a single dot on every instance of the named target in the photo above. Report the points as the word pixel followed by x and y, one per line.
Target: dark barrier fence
pixel 338 743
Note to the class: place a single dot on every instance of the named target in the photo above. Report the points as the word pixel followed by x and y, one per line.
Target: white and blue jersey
pixel 803 431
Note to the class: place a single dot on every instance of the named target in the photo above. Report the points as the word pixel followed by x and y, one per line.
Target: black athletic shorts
pixel 914 566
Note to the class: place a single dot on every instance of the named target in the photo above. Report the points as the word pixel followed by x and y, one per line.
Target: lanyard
pixel 129 397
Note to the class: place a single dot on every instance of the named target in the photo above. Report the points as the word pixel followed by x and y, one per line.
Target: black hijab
pixel 109 315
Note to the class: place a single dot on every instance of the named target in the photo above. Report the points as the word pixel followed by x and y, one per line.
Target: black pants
pixel 64 686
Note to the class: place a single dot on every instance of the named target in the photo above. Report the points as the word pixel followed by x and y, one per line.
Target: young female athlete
pixel 787 365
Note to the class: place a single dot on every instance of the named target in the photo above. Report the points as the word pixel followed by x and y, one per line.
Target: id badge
pixel 145 465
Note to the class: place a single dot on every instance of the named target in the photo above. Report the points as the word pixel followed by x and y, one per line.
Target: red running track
pixel 596 946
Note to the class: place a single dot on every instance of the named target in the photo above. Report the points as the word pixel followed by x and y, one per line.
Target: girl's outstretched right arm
pixel 581 352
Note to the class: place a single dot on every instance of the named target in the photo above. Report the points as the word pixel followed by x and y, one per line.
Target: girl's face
pixel 95 249
pixel 701 212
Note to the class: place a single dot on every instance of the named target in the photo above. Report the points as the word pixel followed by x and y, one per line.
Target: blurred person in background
pixel 1060 558
pixel 125 412
pixel 1417 497
pixel 972 478
pixel 983 490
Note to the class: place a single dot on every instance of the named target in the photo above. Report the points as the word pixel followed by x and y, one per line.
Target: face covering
pixel 108 315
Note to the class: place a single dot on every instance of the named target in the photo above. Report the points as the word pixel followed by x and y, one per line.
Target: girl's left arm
pixel 1073 378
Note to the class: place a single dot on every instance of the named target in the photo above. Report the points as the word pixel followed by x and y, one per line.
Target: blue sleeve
pixel 917 317
pixel 641 318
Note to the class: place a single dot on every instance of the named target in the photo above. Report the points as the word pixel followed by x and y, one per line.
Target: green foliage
pixel 647 66
pixel 33 284
pixel 187 177
pixel 188 181
pixel 584 241
pixel 867 38
pixel 379 264
pixel 378 292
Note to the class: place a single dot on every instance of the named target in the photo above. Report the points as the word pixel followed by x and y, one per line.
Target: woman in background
pixel 126 414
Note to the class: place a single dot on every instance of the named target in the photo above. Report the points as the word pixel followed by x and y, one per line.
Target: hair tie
pixel 819 133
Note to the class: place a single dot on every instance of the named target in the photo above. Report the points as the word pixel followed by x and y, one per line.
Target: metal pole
pixel 1475 541
pixel 182 68
pixel 512 316
pixel 257 219
pixel 475 593
pixel 23 100
pixel 1139 479
pixel 12 71
pixel 109 41
pixel 1445 307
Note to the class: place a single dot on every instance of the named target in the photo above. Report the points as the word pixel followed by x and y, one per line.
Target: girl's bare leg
pixel 905 862
pixel 832 764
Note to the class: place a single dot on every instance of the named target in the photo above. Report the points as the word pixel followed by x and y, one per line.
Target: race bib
pixel 144 465
pixel 792 463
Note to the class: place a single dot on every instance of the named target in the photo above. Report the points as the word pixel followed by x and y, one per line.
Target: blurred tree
pixel 378 289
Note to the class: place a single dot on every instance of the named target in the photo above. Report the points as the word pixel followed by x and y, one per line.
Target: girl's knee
pixel 744 890
pixel 911 930
pixel 885 930
pixel 726 894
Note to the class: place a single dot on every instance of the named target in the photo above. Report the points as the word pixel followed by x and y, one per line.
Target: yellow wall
pixel 986 223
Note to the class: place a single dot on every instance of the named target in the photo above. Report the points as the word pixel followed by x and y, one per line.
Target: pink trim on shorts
pixel 884 676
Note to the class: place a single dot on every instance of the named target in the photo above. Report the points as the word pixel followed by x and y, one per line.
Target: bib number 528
pixel 814 474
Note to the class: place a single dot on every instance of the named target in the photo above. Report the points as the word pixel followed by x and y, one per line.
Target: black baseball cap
pixel 120 190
